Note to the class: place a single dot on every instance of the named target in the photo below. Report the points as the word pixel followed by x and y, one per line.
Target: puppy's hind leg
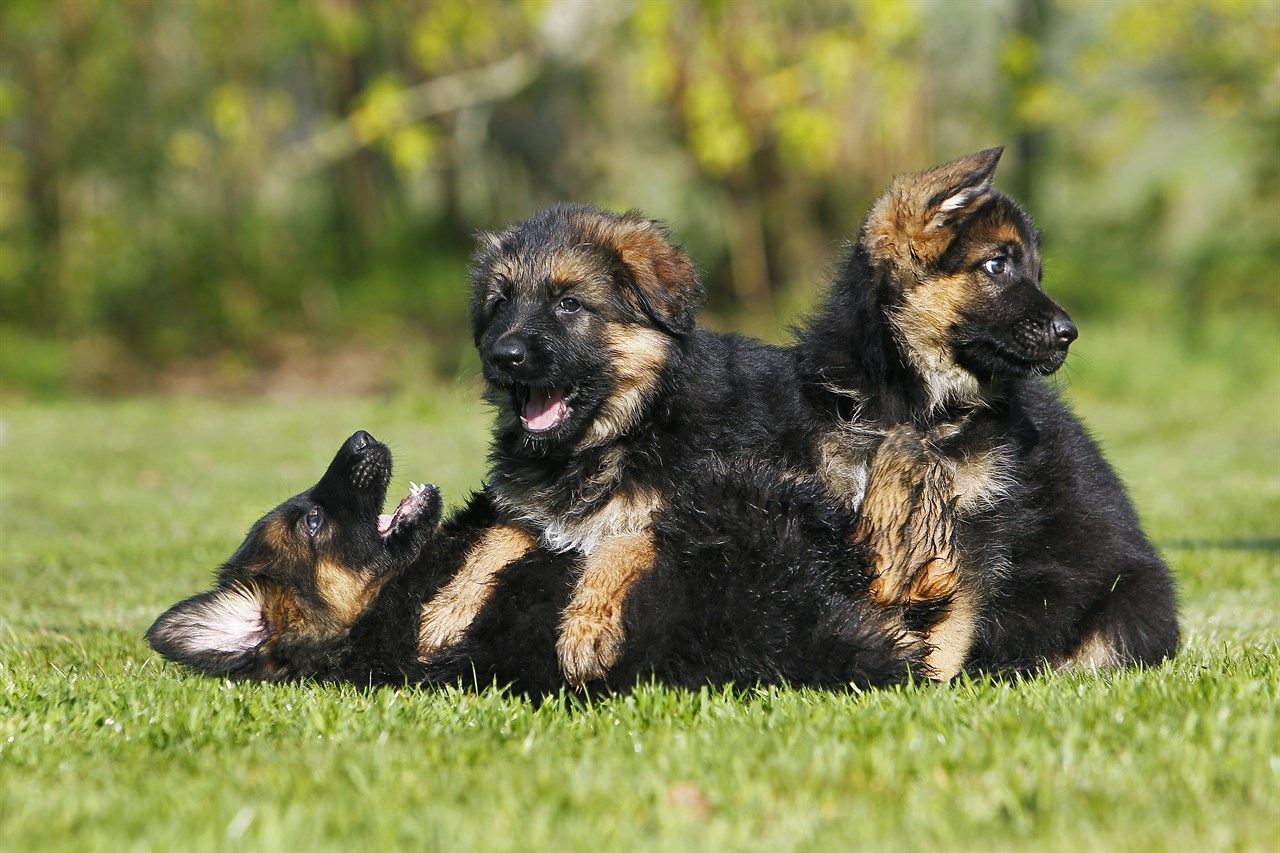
pixel 907 523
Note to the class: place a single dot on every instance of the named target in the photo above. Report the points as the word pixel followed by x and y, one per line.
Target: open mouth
pixel 412 506
pixel 543 410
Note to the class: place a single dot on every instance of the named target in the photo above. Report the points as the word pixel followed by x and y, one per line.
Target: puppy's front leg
pixel 908 524
pixel 591 630
pixel 445 618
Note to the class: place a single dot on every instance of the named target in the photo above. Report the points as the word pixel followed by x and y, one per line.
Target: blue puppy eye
pixel 996 266
pixel 569 305
pixel 314 519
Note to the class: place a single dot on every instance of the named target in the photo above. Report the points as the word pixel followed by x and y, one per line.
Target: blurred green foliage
pixel 207 179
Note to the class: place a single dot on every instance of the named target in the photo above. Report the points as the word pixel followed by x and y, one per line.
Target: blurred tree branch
pixel 473 87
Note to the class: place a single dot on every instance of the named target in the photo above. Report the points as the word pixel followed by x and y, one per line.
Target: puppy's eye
pixel 313 519
pixel 569 305
pixel 500 303
pixel 996 266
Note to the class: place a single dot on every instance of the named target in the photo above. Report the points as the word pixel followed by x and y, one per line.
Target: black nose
pixel 507 352
pixel 359 440
pixel 1063 331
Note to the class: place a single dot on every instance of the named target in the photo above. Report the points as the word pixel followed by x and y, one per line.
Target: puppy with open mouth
pixel 769 589
pixel 607 399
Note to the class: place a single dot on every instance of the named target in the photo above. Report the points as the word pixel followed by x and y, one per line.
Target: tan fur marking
pixel 908 525
pixel 591 629
pixel 906 520
pixel 445 618
pixel 281 538
pixel 582 268
pixel 638 354
pixel 346 592
pixel 1095 652
pixel 952 638
pixel 907 229
pixel 924 322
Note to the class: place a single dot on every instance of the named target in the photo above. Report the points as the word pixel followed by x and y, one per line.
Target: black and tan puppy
pixel 305 573
pixel 756 578
pixel 607 398
pixel 937 320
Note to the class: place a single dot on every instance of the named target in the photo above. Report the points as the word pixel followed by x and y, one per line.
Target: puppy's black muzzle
pixel 508 352
pixel 516 357
pixel 1062 331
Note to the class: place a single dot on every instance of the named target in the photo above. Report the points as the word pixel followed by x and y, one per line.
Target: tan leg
pixel 907 522
pixel 445 618
pixel 591 631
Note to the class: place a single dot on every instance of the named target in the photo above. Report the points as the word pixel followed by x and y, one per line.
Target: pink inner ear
pixel 231 622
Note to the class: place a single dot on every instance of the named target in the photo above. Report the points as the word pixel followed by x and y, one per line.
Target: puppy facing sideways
pixel 937 320
pixel 756 578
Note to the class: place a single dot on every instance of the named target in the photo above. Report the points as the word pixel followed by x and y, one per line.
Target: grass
pixel 109 512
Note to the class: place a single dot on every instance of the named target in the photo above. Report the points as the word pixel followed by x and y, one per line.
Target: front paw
pixel 407 530
pixel 590 644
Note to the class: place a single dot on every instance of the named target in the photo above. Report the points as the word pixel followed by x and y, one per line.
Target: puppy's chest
pixel 982 473
pixel 577 510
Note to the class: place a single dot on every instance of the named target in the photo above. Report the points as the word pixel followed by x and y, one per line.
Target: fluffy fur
pixel 607 398
pixel 937 320
pixel 757 577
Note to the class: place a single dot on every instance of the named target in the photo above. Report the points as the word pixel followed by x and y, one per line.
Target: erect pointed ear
pixel 215 632
pixel 659 275
pixel 960 187
pixel 914 220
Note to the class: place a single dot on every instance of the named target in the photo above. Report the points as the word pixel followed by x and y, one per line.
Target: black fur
pixel 1054 550
pixel 775 595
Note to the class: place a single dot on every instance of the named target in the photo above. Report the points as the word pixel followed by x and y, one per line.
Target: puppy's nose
pixel 508 353
pixel 1063 331
pixel 360 440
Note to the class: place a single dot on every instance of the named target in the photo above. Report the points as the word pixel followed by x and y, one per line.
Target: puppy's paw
pixel 590 643
pixel 421 504
pixel 444 620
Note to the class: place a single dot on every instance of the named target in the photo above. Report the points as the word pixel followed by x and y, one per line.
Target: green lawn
pixel 109 512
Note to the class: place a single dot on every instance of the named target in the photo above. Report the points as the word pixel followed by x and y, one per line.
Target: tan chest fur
pixel 981 480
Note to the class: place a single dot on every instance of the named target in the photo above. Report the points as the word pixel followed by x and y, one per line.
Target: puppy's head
pixel 959 267
pixel 575 312
pixel 308 569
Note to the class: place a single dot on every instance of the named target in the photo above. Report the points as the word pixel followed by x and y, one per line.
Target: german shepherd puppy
pixel 607 398
pixel 937 320
pixel 305 573
pixel 756 578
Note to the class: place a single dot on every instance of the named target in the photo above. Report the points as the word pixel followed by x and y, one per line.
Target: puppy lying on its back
pixel 756 579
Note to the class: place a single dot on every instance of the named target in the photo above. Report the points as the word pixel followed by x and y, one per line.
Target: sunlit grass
pixel 109 512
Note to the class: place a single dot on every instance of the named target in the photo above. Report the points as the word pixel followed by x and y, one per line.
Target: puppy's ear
pixel 914 221
pixel 215 632
pixel 659 276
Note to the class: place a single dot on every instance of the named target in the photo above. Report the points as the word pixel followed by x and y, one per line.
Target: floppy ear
pixel 215 632
pixel 660 276
pixel 914 220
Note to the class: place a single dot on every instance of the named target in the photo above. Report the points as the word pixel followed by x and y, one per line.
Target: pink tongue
pixel 545 410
